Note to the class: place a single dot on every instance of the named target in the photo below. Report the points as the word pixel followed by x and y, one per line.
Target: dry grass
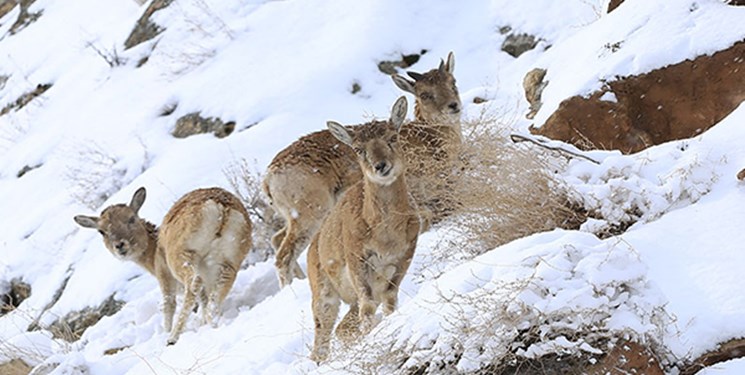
pixel 497 191
pixel 93 175
pixel 245 181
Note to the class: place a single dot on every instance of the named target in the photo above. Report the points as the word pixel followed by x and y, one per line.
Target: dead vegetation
pixel 245 182
pixel 94 175
pixel 500 191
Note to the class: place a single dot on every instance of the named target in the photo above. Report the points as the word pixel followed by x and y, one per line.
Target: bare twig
pixel 542 143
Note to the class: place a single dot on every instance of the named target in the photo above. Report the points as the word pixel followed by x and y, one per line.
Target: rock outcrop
pixel 13 294
pixel 675 102
pixel 24 99
pixel 194 123
pixel 517 44
pixel 146 29
pixel 71 326
pixel 25 17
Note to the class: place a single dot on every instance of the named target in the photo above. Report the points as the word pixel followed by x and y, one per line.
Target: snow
pixel 281 69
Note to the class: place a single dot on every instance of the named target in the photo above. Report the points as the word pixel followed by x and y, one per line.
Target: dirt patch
pixel 676 102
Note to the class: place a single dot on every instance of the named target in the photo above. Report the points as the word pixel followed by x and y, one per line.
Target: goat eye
pixel 131 220
pixel 359 151
pixel 427 96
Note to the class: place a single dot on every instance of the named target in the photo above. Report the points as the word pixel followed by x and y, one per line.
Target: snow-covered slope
pixel 280 69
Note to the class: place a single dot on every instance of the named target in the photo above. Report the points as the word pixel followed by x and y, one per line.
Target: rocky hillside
pixel 598 225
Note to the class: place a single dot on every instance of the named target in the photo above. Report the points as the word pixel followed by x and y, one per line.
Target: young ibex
pixel 200 246
pixel 365 245
pixel 307 178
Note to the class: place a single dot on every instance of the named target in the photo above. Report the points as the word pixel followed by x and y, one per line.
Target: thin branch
pixel 522 138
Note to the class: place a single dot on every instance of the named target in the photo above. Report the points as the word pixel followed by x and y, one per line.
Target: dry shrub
pixel 508 191
pixel 493 190
pixel 15 367
pixel 245 180
pixel 94 175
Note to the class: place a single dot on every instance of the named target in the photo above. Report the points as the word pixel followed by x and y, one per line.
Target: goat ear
pixel 339 132
pixel 404 84
pixel 138 199
pixel 416 76
pixel 450 64
pixel 86 221
pixel 398 112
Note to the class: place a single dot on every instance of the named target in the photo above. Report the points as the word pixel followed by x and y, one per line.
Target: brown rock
pixel 391 67
pixel 194 123
pixel 517 44
pixel 533 84
pixel 675 102
pixel 741 175
pixel 17 292
pixel 25 18
pixel 614 4
pixel 145 29
pixel 6 6
pixel 72 326
pixel 24 99
pixel 726 351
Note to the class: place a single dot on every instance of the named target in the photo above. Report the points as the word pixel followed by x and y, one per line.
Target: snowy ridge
pixel 280 69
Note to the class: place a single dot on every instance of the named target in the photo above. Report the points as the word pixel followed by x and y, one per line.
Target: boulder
pixel 391 67
pixel 517 44
pixel 24 99
pixel 145 29
pixel 25 17
pixel 614 4
pixel 12 294
pixel 194 123
pixel 533 84
pixel 675 102
pixel 72 326
pixel 725 351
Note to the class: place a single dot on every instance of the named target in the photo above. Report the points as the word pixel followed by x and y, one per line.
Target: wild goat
pixel 200 246
pixel 365 245
pixel 306 179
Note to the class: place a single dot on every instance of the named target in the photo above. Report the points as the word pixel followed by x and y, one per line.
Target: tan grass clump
pixel 498 191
